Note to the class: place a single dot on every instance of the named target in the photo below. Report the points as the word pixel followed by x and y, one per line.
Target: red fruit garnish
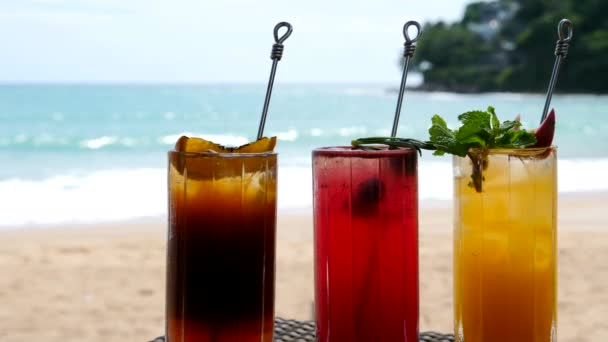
pixel 544 133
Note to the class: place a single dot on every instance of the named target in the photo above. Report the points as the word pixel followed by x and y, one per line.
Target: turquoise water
pixel 70 144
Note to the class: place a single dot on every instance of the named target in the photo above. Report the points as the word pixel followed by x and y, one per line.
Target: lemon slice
pixel 185 144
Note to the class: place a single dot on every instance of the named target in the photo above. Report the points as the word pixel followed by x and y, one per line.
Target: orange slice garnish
pixel 198 166
pixel 197 145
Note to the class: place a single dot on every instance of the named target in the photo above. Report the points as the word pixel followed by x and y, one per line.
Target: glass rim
pixel 527 151
pixel 212 154
pixel 350 151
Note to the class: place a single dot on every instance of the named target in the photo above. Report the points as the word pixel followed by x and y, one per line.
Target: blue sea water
pixel 88 153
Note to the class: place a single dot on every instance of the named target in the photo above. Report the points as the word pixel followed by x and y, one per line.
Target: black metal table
pixel 304 331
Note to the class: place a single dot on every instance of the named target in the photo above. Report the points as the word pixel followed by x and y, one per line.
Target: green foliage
pixel 472 13
pixel 445 46
pixel 456 55
pixel 478 130
pixel 445 139
pixel 519 57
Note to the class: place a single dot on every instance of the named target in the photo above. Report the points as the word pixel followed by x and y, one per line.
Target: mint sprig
pixel 479 131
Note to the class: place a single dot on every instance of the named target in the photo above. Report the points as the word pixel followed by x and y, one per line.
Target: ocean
pixel 96 153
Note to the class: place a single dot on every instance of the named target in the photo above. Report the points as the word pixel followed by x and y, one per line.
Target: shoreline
pixel 439 89
pixel 588 203
pixel 87 199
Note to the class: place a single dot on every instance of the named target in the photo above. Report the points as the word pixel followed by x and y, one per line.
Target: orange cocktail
pixel 505 247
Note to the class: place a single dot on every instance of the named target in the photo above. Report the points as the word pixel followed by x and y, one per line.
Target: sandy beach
pixel 105 282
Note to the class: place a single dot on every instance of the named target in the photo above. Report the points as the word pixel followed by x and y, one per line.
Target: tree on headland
pixel 507 45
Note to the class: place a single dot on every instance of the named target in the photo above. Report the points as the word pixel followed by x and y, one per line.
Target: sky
pixel 171 41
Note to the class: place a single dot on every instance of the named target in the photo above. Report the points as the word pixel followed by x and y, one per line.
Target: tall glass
pixel 505 247
pixel 366 244
pixel 221 247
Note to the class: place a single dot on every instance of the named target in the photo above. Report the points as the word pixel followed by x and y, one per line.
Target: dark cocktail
pixel 366 244
pixel 221 247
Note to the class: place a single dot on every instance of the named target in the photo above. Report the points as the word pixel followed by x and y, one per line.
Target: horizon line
pixel 177 82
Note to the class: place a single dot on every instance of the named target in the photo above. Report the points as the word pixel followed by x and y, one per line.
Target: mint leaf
pixel 444 139
pixel 523 139
pixel 473 141
pixel 440 133
pixel 475 123
pixel 495 121
pixel 508 125
pixel 515 139
pixel 438 120
pixel 505 139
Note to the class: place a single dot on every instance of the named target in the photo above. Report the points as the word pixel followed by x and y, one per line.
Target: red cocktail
pixel 366 244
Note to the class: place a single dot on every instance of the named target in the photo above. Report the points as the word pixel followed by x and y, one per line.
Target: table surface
pixel 304 331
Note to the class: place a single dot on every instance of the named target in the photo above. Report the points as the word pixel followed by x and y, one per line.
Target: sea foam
pixel 98 197
pixel 116 195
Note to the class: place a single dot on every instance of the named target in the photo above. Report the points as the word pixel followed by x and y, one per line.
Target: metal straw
pixel 408 52
pixel 275 55
pixel 561 51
